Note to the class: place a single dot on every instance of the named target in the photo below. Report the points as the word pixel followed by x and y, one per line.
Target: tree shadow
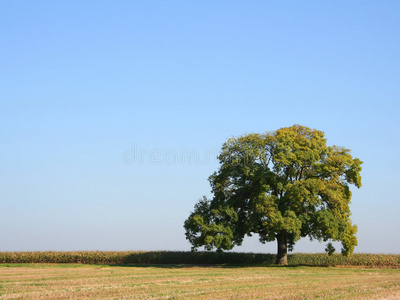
pixel 222 266
pixel 196 258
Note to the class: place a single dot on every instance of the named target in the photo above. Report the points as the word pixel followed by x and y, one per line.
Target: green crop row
pixel 180 257
pixel 358 259
pixel 136 257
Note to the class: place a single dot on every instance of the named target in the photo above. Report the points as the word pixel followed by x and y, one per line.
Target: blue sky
pixel 89 87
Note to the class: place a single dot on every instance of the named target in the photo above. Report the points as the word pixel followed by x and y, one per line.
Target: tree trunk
pixel 281 258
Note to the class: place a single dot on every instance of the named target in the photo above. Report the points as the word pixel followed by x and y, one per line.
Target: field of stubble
pixel 72 281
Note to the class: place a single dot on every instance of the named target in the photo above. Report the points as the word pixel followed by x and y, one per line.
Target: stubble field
pixel 77 281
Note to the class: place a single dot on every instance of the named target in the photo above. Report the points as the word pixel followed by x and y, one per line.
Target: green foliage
pixel 330 249
pixel 15 259
pixel 370 260
pixel 134 257
pixel 287 183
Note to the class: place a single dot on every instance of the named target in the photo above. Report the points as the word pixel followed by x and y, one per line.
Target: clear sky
pixel 102 103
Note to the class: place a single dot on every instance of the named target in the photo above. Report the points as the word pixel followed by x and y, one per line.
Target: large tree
pixel 282 185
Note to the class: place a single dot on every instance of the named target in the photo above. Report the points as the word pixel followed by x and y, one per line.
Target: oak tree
pixel 281 185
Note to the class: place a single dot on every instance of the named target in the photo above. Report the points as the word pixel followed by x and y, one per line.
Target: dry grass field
pixel 78 281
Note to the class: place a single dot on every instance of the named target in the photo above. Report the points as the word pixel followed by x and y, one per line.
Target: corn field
pixel 197 258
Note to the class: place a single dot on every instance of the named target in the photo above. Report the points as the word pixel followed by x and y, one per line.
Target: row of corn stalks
pixel 180 257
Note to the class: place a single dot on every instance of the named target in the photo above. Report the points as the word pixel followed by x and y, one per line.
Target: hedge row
pixel 358 259
pixel 136 257
pixel 180 257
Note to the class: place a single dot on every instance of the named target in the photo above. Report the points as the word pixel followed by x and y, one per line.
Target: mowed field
pixel 78 281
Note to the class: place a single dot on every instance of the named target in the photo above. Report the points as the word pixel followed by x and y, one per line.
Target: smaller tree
pixel 282 185
pixel 330 249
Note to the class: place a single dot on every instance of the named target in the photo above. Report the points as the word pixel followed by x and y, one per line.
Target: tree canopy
pixel 282 185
